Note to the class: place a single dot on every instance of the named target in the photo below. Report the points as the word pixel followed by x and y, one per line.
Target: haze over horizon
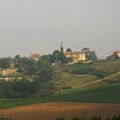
pixel 28 26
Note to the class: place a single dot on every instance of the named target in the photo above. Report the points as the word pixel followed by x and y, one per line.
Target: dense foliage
pixel 59 56
pixel 90 55
pixel 32 76
pixel 6 62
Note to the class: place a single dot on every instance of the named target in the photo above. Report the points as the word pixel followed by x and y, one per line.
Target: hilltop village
pixel 34 75
pixel 9 68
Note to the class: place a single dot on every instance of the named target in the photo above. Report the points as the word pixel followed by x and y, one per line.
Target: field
pixel 51 111
pixel 101 94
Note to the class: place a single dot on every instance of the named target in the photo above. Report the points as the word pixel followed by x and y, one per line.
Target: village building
pixel 2 71
pixel 8 71
pixel 76 56
pixel 117 53
pixel 35 56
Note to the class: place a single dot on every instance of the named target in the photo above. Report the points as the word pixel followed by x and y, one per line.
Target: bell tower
pixel 61 48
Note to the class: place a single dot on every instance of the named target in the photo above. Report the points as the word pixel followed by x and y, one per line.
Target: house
pixel 2 71
pixel 117 53
pixel 35 56
pixel 114 56
pixel 8 71
pixel 75 56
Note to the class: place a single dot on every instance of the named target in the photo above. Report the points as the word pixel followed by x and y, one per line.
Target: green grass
pixel 100 69
pixel 66 80
pixel 104 94
pixel 10 102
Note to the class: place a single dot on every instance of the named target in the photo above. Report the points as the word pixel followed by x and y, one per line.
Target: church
pixel 74 56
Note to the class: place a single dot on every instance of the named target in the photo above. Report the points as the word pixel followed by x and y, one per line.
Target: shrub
pixel 93 118
pixel 61 118
pixel 78 118
pixel 96 118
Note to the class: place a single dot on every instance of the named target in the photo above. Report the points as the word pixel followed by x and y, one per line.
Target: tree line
pixel 92 118
pixel 32 78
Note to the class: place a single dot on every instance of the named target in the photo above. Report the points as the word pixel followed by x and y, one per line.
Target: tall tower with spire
pixel 61 48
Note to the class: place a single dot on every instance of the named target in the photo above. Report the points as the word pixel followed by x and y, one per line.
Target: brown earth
pixel 51 111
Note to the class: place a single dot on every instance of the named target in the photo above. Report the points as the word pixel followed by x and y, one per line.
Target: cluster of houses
pixel 74 56
pixel 6 74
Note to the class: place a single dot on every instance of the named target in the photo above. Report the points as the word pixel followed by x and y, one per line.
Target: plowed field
pixel 51 111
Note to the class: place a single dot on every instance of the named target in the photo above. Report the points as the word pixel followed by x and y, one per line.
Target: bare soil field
pixel 51 111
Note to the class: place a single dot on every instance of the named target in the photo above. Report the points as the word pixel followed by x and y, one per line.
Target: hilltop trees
pixel 43 70
pixel 33 75
pixel 59 56
pixel 90 55
pixel 6 62
pixel 114 56
pixel 69 50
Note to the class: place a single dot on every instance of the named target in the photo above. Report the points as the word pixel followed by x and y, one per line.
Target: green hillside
pixel 101 69
pixel 87 86
pixel 86 75
pixel 65 80
pixel 102 94
pixel 96 82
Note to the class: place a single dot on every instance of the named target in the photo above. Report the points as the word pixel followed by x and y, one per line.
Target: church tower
pixel 61 48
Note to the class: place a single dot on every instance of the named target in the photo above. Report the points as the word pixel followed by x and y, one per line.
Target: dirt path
pixel 51 111
pixel 100 80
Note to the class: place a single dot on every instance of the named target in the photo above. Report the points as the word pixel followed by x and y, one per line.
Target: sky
pixel 28 26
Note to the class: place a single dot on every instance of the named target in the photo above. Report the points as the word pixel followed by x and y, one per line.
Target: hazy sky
pixel 28 26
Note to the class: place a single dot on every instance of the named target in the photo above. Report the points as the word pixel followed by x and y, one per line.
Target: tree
pixel 49 57
pixel 17 59
pixel 56 54
pixel 59 56
pixel 85 50
pixel 69 50
pixel 90 55
pixel 26 66
pixel 44 70
pixel 6 62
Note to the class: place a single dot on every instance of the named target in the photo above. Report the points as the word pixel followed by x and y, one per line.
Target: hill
pixel 101 68
pixel 96 82
pixel 70 86
pixel 84 75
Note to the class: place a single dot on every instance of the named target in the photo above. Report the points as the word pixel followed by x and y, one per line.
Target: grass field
pixel 100 69
pixel 66 80
pixel 104 94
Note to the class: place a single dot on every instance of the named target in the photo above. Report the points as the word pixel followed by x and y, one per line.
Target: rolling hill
pixel 70 86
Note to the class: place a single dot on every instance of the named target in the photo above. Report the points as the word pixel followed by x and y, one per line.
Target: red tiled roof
pixel 117 51
pixel 35 55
